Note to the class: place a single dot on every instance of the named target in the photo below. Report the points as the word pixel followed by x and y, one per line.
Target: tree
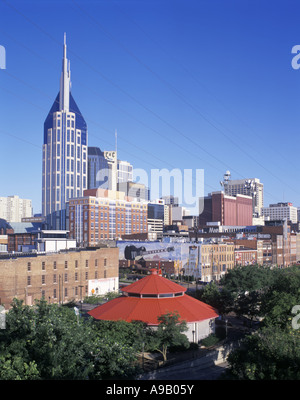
pixel 273 352
pixel 169 333
pixel 269 354
pixel 117 346
pixel 46 340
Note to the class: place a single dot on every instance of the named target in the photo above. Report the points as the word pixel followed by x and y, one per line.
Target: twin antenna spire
pixel 65 81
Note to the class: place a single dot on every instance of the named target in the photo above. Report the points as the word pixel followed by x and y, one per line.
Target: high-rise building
pixel 248 187
pixel 98 168
pixel 64 153
pixel 125 171
pixel 111 157
pixel 105 215
pixel 227 210
pixel 13 209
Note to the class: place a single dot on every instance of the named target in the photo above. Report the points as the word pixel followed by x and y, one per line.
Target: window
pixel 96 274
pixel 54 265
pixel 66 277
pixel 105 262
pixel 29 266
pixel 54 294
pixel 28 280
pixel 43 266
pixel 104 274
pixel 43 279
pixel 76 276
pixel 76 263
pixel 66 292
pixel 86 275
pixel 96 262
pixel 86 263
pixel 54 278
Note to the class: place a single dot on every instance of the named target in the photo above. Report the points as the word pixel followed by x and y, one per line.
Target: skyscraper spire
pixel 65 81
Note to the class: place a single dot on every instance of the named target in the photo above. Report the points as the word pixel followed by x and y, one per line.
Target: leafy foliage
pixel 169 333
pixel 273 352
pixel 50 342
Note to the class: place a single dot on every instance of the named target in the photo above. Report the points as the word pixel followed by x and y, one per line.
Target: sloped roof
pixel 148 309
pixel 154 284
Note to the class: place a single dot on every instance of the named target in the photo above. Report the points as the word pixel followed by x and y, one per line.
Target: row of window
pixel 66 264
pixel 65 277
pixel 55 292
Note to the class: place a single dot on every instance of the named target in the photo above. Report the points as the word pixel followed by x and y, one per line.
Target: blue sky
pixel 188 84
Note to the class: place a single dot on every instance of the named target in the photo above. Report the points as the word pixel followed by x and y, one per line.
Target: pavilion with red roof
pixel 145 300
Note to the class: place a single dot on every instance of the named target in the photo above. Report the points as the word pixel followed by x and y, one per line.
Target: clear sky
pixel 188 84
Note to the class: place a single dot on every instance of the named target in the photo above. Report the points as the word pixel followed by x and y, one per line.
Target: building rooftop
pixel 150 298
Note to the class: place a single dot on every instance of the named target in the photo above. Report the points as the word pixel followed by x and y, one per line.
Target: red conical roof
pixel 154 284
pixel 151 297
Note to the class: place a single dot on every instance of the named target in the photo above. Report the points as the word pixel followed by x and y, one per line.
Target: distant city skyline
pixel 198 84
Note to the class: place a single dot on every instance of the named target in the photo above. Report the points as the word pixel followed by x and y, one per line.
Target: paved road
pixel 200 372
pixel 209 366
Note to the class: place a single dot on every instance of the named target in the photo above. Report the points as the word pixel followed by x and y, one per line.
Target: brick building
pixel 58 277
pixel 98 216
pixel 228 210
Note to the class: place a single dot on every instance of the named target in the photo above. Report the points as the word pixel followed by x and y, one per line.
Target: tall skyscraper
pixel 64 152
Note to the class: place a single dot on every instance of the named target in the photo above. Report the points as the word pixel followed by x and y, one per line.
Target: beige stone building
pixel 59 277
pixel 216 260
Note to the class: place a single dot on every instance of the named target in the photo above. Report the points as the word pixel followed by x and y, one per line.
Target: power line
pixel 130 96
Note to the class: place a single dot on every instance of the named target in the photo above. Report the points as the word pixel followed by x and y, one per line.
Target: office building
pixel 98 169
pixel 105 215
pixel 249 187
pixel 226 210
pixel 156 217
pixel 64 153
pixel 134 190
pixel 281 211
pixel 13 209
pixel 171 200
pixel 125 171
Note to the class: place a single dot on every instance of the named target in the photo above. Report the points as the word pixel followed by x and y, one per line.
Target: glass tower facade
pixel 65 158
